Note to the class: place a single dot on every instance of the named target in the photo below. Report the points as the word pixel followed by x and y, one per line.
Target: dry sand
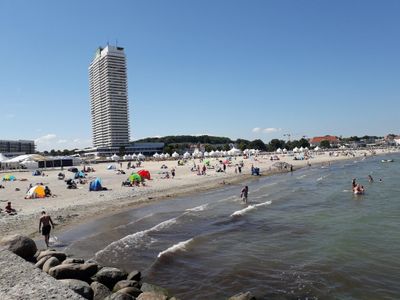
pixel 78 205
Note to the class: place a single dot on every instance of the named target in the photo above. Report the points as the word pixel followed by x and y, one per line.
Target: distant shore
pixel 71 207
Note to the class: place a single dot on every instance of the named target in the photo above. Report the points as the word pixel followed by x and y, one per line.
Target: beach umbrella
pixel 9 177
pixel 135 177
pixel 36 192
pixel 144 174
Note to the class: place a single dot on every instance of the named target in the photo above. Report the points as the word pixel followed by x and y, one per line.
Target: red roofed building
pixel 316 141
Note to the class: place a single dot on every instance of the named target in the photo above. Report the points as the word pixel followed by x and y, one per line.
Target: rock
pixel 151 296
pixel 133 291
pixel 20 245
pixel 78 286
pixel 74 271
pixel 100 291
pixel 73 261
pixel 61 256
pixel 109 276
pixel 134 275
pixel 125 283
pixel 119 296
pixel 147 287
pixel 41 262
pixel 51 262
pixel 243 296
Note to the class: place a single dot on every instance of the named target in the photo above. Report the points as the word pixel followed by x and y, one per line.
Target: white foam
pixel 198 208
pixel 136 240
pixel 249 208
pixel 181 246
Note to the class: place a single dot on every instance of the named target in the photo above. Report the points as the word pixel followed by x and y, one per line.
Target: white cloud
pixel 271 129
pixel 52 141
pixel 266 130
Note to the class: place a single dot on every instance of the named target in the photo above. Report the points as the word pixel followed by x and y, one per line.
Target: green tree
pixel 275 144
pixel 325 144
pixel 258 145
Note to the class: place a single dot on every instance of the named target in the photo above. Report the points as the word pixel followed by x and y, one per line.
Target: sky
pixel 242 69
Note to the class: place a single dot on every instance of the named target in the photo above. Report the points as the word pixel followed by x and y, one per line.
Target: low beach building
pixel 316 141
pixel 12 148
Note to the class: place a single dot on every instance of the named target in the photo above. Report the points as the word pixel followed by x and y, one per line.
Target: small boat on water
pixel 387 160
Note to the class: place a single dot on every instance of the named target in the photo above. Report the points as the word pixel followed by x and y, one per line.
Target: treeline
pixel 53 152
pixel 183 143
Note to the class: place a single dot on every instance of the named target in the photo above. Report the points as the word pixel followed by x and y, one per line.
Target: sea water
pixel 302 235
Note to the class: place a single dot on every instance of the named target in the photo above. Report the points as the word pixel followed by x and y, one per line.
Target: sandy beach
pixel 71 206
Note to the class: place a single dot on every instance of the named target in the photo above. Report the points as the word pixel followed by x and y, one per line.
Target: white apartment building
pixel 109 97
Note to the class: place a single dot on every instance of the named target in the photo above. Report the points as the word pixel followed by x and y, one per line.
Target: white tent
pixel 141 156
pixel 206 154
pixel 115 157
pixel 134 156
pixel 175 155
pixel 301 149
pixel 186 155
pixel 125 157
pixel 234 152
pixel 284 150
pixel 295 150
pixel 166 155
pixel 30 164
pixel 212 153
pixel 316 148
pixel 156 155
pixel 279 150
pixel 162 156
pixel 3 158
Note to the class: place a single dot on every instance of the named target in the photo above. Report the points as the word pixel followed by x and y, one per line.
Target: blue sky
pixel 242 69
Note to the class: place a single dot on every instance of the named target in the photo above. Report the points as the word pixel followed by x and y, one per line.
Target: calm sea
pixel 301 236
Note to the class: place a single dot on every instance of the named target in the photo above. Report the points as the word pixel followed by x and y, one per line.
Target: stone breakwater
pixel 26 273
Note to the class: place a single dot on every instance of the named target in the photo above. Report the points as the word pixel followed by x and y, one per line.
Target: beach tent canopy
pixel 175 155
pixel 162 155
pixel 95 185
pixel 79 174
pixel 141 156
pixel 279 150
pixel 316 148
pixel 156 155
pixel 135 177
pixel 3 158
pixel 284 150
pixel 36 191
pixel 115 157
pixel 145 174
pixel 186 155
pixel 134 157
pixel 166 155
pixel 9 177
pixel 111 167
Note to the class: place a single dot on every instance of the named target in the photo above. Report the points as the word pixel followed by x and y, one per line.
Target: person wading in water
pixel 44 224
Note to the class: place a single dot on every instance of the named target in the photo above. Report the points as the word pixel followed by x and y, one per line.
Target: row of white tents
pixel 34 161
pixel 187 155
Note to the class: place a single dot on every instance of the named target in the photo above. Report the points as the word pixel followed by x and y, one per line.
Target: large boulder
pixel 61 256
pixel 147 287
pixel 125 283
pixel 134 275
pixel 41 262
pixel 20 245
pixel 74 271
pixel 243 296
pixel 109 276
pixel 73 261
pixel 80 287
pixel 100 291
pixel 133 291
pixel 50 263
pixel 151 296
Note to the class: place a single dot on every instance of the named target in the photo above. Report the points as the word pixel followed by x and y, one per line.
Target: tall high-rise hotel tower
pixel 109 98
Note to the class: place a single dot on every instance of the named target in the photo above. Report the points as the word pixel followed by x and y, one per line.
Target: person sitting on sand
pixel 2 186
pixel 47 191
pixel 8 209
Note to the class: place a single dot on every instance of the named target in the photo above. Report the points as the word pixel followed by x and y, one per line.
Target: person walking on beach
pixel 244 193
pixel 44 225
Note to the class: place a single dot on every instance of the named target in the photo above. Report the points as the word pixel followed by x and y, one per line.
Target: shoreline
pixel 97 206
